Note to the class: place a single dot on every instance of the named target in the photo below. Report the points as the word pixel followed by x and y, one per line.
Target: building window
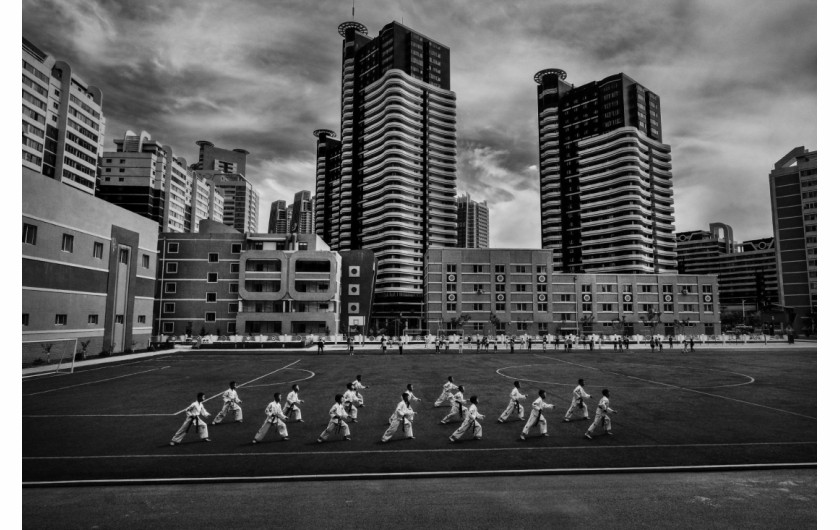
pixel 478 307
pixel 146 261
pixel 141 319
pixel 521 326
pixel 668 308
pixel 608 288
pixel 586 288
pixel 451 308
pixel 521 288
pixel 707 289
pixel 124 256
pixel 168 327
pixel 607 308
pixel 451 267
pixel 97 250
pixel 665 289
pixel 451 287
pixel 171 268
pixel 586 308
pixel 236 248
pixel 708 308
pixel 521 307
pixel 66 243
pixel 61 320
pixel 541 269
pixel 500 269
pixel 627 308
pixel 234 267
pixel 500 306
pixel 542 288
pixel 30 234
pixel 565 297
pixel 542 307
pixel 213 257
pixel 542 327
pixel 119 319
pixel 233 288
pixel 25 319
pixel 688 308
pixel 478 268
pixel 172 248
pixel 210 297
pixel 627 288
pixel 522 269
pixel 478 326
pixel 169 287
pixel 233 308
pixel 93 319
pixel 478 288
pixel 169 307
pixel 212 277
pixel 210 316
pixel 565 317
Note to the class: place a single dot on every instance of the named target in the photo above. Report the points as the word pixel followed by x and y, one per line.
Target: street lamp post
pixel 743 313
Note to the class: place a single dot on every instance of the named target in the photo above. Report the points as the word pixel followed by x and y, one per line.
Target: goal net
pixel 56 355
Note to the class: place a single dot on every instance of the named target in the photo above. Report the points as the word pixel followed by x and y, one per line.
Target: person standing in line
pixel 460 344
pixel 470 421
pixel 403 417
pixel 592 343
pixel 456 406
pixel 652 344
pixel 529 343
pixel 349 400
pixel 557 342
pixel 337 422
pixel 601 416
pixel 446 395
pixel 515 397
pixel 544 342
pixel 512 344
pixel 684 345
pixel 627 343
pixel 274 416
pixel 357 385
pixel 691 343
pixel 578 395
pixel 446 345
pixel 194 413
pixel 384 345
pixel 437 346
pixel 659 343
pixel 292 408
pixel 670 342
pixel 350 344
pixel 537 416
pixel 231 402
pixel 400 345
pixel 320 345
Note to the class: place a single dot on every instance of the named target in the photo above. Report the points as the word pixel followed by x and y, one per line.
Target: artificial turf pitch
pixel 708 408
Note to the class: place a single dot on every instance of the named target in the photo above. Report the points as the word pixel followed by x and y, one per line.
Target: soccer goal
pixel 57 354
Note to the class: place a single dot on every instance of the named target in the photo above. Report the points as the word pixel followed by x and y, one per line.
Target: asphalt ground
pixel 745 499
pixel 709 408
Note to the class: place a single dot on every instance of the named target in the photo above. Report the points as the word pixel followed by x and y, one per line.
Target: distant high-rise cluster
pixel 226 169
pixel 473 223
pixel 606 190
pixel 63 124
pixel 299 218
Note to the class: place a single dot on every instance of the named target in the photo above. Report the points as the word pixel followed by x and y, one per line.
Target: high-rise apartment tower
pixel 606 191
pixel 473 223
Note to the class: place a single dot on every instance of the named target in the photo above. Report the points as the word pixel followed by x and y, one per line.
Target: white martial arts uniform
pixel 446 395
pixel 537 416
pixel 351 398
pixel 274 416
pixel 402 417
pixel 515 397
pixel 578 395
pixel 601 417
pixel 337 423
pixel 357 385
pixel 470 422
pixel 457 404
pixel 292 408
pixel 194 413
pixel 231 402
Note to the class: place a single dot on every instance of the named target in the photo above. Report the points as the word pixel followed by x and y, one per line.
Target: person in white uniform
pixel 515 397
pixel 273 416
pixel 231 402
pixel 457 404
pixel 448 388
pixel 194 413
pixel 537 416
pixel 601 416
pixel 349 400
pixel 402 418
pixel 470 422
pixel 578 395
pixel 292 408
pixel 357 385
pixel 337 424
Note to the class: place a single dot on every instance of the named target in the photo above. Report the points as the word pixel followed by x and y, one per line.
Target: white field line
pixel 403 451
pixel 243 384
pixel 682 388
pixel 94 382
pixel 82 370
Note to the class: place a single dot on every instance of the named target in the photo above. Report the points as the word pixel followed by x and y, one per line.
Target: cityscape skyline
pixel 727 115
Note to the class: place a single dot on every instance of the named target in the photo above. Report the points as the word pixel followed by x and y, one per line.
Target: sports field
pixel 709 408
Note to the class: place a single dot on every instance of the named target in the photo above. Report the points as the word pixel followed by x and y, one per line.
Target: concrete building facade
pixel 302 217
pixel 88 269
pixel 517 291
pixel 63 123
pixel 793 195
pixel 226 169
pixel 278 218
pixel 606 189
pixel 473 223
pixel 746 270
pixel 143 176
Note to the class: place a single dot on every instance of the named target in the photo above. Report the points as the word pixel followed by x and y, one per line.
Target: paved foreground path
pixel 743 499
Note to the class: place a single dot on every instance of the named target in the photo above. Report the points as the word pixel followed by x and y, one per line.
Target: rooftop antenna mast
pixel 354 10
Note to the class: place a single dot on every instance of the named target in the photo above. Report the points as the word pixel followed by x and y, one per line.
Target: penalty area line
pixel 97 381
pixel 446 450
pixel 682 388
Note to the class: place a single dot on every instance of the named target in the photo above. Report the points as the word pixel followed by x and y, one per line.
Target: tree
pixel 586 322
pixel 495 322
pixel 684 327
pixel 652 319
pixel 459 321
pixel 617 325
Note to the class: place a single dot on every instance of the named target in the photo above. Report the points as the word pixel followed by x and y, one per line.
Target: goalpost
pixel 59 354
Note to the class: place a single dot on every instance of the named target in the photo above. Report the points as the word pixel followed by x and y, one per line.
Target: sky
pixel 737 82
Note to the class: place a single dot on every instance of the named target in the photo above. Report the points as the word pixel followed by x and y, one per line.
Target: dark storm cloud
pixel 737 82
